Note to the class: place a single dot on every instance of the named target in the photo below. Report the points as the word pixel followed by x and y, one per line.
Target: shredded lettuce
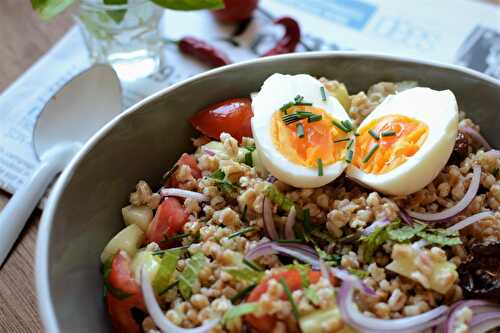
pixel 165 273
pixel 189 276
pixel 245 274
pixel 240 310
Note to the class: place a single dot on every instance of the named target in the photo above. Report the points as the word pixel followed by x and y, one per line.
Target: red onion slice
pixel 475 136
pixel 371 228
pixel 156 313
pixel 495 153
pixel 267 215
pixel 177 192
pixel 484 322
pixel 477 306
pixel 403 215
pixel 209 152
pixel 470 220
pixel 354 318
pixel 290 222
pixel 459 207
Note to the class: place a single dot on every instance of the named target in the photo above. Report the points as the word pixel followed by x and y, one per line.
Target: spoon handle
pixel 19 208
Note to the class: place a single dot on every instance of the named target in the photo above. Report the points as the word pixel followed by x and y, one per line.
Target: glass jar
pixel 126 36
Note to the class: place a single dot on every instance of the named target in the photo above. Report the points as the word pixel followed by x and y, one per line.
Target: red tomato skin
pixel 119 310
pixel 236 10
pixel 231 116
pixel 190 161
pixel 266 323
pixel 169 220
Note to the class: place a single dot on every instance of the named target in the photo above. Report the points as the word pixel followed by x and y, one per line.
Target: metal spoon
pixel 68 120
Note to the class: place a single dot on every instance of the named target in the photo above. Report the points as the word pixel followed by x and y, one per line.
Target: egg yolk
pixel 318 141
pixel 399 138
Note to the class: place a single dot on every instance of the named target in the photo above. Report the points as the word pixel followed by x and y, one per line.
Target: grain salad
pixel 250 233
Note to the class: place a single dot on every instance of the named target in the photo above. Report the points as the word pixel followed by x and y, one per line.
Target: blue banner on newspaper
pixel 352 13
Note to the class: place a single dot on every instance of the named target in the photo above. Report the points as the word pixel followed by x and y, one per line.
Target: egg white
pixel 276 91
pixel 437 109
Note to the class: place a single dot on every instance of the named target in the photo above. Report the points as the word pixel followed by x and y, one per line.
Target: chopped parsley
pixel 242 294
pixel 224 185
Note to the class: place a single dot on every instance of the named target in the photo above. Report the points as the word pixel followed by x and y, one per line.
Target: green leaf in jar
pixel 189 276
pixel 165 273
pixel 190 4
pixel 116 14
pixel 47 9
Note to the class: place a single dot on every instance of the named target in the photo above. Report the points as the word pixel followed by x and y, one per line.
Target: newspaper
pixel 455 31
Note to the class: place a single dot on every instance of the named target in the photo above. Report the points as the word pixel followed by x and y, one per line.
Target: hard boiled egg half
pixel 295 132
pixel 406 141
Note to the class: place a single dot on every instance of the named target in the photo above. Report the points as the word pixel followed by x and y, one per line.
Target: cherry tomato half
pixel 190 161
pixel 231 116
pixel 293 279
pixel 168 221
pixel 123 296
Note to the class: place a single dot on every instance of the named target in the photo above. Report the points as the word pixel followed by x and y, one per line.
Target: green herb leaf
pixel 248 159
pixel 190 274
pixel 329 259
pixel 245 274
pixel 190 4
pixel 116 14
pixel 405 233
pixel 165 273
pixel 441 238
pixel 312 295
pixel 295 310
pixel 219 176
pixel 239 310
pixel 47 9
pixel 358 272
pixel 372 242
pixel 279 198
pixel 253 265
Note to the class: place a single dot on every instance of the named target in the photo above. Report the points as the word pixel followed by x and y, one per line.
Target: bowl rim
pixel 42 283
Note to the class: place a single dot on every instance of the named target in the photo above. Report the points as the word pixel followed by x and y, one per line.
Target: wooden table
pixel 24 39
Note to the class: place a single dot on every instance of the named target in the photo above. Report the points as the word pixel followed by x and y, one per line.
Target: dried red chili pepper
pixel 291 38
pixel 203 51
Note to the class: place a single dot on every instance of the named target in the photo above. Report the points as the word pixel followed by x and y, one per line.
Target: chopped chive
pixel 243 293
pixel 356 134
pixel 388 133
pixel 341 140
pixel 242 231
pixel 244 214
pixel 340 126
pixel 167 288
pixel 306 220
pixel 298 99
pixel 300 130
pixel 373 134
pixel 320 167
pixel 170 172
pixel 304 104
pixel 174 237
pixel 349 145
pixel 323 93
pixel 348 156
pixel 286 106
pixel 314 117
pixel 347 124
pixel 249 159
pixel 288 293
pixel 370 153
pixel 253 265
pixel 161 252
